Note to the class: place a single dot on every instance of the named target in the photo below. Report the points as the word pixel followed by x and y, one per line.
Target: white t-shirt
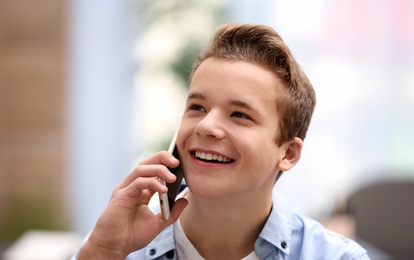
pixel 186 250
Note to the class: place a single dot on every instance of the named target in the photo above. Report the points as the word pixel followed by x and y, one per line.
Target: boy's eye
pixel 197 108
pixel 240 115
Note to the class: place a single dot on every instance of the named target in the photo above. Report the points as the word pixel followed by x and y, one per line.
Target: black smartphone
pixel 167 199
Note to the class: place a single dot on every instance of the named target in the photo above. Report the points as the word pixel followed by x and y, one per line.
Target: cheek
pixel 183 133
pixel 265 155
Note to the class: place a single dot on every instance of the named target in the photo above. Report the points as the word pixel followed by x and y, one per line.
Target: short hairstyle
pixel 262 45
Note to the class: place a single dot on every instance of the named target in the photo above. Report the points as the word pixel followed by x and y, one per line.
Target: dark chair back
pixel 384 214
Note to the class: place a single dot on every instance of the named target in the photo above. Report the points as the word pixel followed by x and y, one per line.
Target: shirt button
pixel 283 244
pixel 170 254
pixel 153 251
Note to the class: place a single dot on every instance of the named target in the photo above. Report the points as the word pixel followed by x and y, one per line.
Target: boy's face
pixel 227 136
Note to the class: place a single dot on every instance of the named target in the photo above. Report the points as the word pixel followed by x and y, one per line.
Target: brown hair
pixel 262 45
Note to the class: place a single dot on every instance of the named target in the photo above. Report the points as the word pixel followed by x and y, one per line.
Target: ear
pixel 292 152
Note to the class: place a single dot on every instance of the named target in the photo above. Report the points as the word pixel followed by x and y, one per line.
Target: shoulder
pixel 298 237
pixel 311 239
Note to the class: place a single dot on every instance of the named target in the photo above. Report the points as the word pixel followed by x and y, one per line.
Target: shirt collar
pixel 278 228
pixel 163 243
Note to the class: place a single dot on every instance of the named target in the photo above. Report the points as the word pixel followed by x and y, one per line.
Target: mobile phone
pixel 167 199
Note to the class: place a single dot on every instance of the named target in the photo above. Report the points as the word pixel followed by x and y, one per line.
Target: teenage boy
pixel 248 110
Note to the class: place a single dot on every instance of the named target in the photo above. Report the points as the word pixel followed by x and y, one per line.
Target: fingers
pixel 155 166
pixel 162 157
pixel 138 185
pixel 148 171
pixel 143 181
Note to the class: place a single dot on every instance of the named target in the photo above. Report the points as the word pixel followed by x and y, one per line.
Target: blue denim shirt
pixel 285 236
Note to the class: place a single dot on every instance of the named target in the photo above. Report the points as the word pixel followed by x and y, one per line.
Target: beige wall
pixel 31 116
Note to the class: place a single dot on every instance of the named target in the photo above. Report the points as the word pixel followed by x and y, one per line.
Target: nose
pixel 211 125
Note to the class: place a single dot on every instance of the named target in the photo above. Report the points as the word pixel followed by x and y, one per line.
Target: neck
pixel 226 228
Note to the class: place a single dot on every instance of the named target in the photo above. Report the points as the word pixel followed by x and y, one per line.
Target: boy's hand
pixel 127 224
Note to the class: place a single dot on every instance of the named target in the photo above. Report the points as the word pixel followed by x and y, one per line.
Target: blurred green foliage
pixel 28 211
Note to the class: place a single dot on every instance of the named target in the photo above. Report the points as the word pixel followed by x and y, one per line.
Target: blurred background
pixel 89 88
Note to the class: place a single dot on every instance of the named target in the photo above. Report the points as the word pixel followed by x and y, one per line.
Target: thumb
pixel 177 209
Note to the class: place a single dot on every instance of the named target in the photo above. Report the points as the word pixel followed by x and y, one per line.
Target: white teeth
pixel 210 157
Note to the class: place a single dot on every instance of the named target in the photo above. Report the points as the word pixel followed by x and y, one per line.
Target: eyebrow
pixel 237 103
pixel 196 95
pixel 242 104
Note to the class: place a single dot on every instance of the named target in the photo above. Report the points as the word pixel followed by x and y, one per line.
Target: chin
pixel 204 189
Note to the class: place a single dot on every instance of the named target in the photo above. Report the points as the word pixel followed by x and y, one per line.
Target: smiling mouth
pixel 212 157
